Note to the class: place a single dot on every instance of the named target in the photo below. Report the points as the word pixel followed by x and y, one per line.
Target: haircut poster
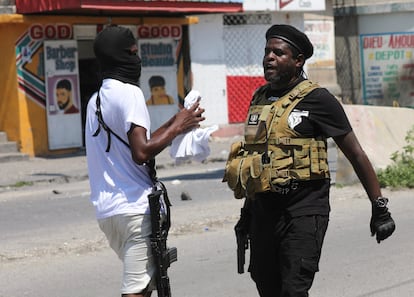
pixel 62 94
pixel 158 79
pixel 388 69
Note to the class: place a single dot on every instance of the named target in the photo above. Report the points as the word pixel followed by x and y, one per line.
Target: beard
pixel 63 105
pixel 280 79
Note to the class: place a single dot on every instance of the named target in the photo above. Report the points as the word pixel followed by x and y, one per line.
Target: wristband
pixel 380 202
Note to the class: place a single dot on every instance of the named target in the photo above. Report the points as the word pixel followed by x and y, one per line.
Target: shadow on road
pixel 214 174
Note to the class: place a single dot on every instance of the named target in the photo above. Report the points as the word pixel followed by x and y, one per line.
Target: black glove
pixel 381 223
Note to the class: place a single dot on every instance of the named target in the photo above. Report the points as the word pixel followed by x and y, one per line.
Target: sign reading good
pixel 50 31
pixel 162 31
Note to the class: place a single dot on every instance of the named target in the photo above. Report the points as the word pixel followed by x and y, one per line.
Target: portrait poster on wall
pixel 158 79
pixel 62 94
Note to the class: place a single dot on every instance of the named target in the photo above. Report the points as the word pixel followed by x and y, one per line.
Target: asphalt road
pixel 50 244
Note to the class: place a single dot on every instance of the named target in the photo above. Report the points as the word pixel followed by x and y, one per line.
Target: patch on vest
pixel 253 119
pixel 295 117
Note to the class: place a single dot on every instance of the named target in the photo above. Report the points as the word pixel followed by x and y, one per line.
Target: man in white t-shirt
pixel 117 161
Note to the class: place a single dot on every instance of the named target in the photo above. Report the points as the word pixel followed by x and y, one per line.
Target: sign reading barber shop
pixel 62 94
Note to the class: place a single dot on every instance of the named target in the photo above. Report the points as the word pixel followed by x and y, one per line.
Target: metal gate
pixel 244 42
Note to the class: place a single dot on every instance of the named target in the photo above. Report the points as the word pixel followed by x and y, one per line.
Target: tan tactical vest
pixel 272 153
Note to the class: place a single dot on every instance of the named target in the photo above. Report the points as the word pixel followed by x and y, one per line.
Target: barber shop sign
pixel 62 94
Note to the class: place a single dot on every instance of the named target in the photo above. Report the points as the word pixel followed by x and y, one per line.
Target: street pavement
pixel 61 252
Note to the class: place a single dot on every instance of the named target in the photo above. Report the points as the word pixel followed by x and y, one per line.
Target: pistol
pixel 242 237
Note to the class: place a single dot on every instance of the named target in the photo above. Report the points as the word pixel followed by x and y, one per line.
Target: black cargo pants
pixel 285 251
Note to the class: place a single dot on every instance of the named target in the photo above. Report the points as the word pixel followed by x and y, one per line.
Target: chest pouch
pixel 272 154
pixel 258 123
pixel 233 169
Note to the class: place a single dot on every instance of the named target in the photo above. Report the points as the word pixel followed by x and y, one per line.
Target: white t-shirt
pixel 118 184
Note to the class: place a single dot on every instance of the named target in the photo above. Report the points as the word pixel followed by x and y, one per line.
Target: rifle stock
pixel 163 256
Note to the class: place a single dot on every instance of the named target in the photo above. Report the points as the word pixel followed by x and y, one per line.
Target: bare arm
pixel 381 224
pixel 143 149
pixel 353 151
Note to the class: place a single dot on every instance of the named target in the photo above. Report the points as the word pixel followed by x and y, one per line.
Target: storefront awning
pixel 126 7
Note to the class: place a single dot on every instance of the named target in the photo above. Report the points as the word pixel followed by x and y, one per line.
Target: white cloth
pixel 118 184
pixel 193 144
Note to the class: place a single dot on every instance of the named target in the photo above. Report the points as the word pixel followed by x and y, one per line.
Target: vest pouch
pixel 257 125
pixel 280 152
pixel 235 149
pixel 301 157
pixel 245 171
pixel 256 167
pixel 318 158
pixel 232 177
pixel 232 173
pixel 259 177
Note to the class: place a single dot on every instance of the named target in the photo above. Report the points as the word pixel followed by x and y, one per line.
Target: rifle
pixel 242 236
pixel 163 256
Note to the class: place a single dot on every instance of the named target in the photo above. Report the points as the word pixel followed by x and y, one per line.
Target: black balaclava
pixel 112 49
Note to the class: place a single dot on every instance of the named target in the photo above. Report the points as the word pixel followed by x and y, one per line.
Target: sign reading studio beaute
pixel 157 46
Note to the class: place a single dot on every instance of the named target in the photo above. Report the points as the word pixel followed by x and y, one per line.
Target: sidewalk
pixel 73 167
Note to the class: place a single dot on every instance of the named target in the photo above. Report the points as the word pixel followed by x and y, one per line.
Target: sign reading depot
pixel 388 68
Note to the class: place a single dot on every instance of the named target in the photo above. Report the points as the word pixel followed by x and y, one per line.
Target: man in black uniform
pixel 287 186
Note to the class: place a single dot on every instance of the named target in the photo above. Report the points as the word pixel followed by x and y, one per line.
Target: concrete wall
pixel 386 22
pixel 208 67
pixel 381 132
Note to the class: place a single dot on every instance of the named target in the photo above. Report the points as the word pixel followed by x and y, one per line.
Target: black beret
pixel 293 36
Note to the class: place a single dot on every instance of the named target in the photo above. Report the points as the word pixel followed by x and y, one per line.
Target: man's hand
pixel 382 225
pixel 187 119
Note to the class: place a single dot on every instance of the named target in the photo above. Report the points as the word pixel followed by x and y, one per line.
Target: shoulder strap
pixel 104 126
pixel 293 96
pixel 297 93
pixel 150 163
pixel 300 90
pixel 259 93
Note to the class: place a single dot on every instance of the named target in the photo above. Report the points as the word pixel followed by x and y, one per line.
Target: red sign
pixel 163 31
pixel 50 31
pixel 283 3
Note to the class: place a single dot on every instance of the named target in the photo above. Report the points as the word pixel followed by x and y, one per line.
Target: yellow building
pixel 27 114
